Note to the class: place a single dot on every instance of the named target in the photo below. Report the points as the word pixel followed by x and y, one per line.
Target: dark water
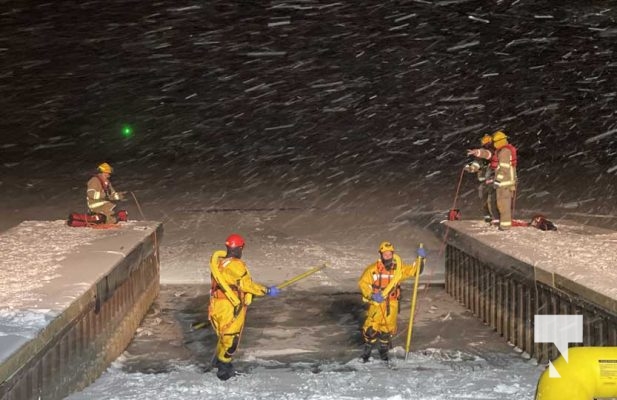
pixel 373 92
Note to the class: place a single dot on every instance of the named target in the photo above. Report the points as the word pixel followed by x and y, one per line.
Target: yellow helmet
pixel 499 135
pixel 386 246
pixel 486 139
pixel 105 168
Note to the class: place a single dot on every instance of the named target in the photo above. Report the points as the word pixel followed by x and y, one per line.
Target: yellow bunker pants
pixel 107 209
pixel 380 318
pixel 227 326
pixel 504 205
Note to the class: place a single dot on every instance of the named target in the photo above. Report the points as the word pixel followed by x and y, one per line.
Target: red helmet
pixel 234 240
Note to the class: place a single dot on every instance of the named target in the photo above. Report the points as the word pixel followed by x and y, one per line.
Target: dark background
pixel 387 93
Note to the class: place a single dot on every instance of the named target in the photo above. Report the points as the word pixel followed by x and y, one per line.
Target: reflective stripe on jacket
pixel 98 192
pixel 376 278
pixel 505 173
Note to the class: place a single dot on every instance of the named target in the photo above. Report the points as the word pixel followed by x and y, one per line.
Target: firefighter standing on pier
pixel 503 162
pixel 380 287
pixel 481 167
pixel 505 178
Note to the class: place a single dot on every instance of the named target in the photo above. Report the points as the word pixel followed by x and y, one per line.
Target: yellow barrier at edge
pixel 591 372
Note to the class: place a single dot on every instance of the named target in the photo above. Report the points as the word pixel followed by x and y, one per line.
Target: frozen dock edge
pixel 111 282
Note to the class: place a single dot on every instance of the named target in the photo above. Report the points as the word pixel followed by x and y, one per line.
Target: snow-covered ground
pixel 316 129
pixel 286 236
pixel 583 254
pixel 429 375
pixel 282 243
pixel 46 266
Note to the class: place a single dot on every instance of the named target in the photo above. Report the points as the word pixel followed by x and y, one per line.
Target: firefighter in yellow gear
pixel 481 167
pixel 231 293
pixel 504 162
pixel 101 195
pixel 380 285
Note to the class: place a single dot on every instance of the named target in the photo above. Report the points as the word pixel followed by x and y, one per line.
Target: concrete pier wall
pixel 117 275
pixel 506 278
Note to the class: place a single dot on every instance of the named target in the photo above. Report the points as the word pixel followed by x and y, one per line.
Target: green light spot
pixel 127 131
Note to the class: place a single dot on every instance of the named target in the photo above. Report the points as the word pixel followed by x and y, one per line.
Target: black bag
pixel 540 222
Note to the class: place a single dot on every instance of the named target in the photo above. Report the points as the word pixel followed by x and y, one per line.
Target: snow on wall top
pixel 583 254
pixel 45 266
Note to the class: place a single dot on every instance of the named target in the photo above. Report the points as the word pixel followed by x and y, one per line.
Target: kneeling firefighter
pixel 101 195
pixel 380 285
pixel 231 292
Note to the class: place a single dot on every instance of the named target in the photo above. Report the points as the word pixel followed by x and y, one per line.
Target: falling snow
pixel 315 128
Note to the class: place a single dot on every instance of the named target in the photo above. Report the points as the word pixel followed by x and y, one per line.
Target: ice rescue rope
pixel 138 206
pixel 103 226
pixel 385 304
pixel 144 218
pixel 223 331
pixel 220 338
pixel 513 203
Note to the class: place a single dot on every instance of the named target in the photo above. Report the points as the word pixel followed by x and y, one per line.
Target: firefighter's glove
pixel 473 152
pixel 273 291
pixel 496 184
pixel 472 167
pixel 421 252
pixel 119 196
pixel 377 297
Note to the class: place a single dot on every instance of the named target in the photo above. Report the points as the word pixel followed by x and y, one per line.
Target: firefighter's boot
pixel 383 351
pixel 366 354
pixel 225 370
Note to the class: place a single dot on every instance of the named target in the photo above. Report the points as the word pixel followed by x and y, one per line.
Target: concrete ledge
pixel 506 278
pixel 575 259
pixel 102 287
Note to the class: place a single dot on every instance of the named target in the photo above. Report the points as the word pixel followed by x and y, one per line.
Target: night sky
pixel 368 91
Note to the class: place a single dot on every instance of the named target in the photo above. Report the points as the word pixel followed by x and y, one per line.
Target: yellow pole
pixel 419 261
pixel 301 276
pixel 199 325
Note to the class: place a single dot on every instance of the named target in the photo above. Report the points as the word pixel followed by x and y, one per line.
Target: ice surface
pixel 316 138
pixel 429 375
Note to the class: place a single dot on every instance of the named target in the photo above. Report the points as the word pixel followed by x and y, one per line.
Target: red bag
pixel 122 215
pixel 454 214
pixel 518 222
pixel 78 220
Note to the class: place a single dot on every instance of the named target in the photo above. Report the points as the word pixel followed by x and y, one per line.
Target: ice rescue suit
pixel 100 195
pixel 231 293
pixel 381 318
pixel 504 164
